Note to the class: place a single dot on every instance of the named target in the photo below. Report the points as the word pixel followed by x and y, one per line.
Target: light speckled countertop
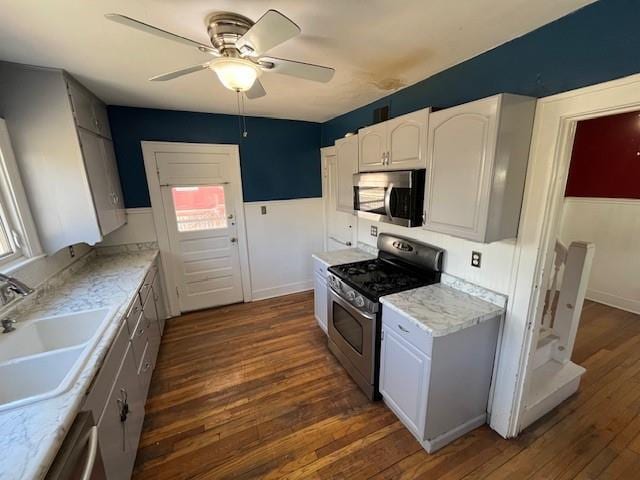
pixel 347 255
pixel 30 436
pixel 447 307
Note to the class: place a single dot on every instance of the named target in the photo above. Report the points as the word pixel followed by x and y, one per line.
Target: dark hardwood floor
pixel 251 391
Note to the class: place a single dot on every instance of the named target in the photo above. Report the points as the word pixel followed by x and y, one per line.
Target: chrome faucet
pixel 10 286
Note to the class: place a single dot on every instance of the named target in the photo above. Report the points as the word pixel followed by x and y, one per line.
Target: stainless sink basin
pixel 42 357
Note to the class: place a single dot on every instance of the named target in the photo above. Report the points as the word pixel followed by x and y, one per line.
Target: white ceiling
pixel 375 46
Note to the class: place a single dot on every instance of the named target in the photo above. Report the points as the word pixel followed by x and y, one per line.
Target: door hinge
pixel 382 335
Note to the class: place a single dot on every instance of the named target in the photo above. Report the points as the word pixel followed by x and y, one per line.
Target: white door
pixel 199 198
pixel 341 226
pixel 373 147
pixel 407 141
pixel 404 379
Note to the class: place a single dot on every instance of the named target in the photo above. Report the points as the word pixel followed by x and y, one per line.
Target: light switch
pixel 263 210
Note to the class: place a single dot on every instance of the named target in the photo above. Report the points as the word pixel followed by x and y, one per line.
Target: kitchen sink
pixel 42 357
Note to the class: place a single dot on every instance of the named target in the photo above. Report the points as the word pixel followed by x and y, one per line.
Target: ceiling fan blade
pixel 308 71
pixel 179 73
pixel 270 30
pixel 145 27
pixel 256 90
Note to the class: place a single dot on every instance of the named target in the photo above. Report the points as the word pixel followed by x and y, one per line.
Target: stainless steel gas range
pixel 354 291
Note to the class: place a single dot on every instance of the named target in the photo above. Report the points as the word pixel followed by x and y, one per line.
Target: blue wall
pixel 597 43
pixel 280 159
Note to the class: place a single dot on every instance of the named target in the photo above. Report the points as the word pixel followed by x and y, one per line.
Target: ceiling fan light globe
pixel 235 74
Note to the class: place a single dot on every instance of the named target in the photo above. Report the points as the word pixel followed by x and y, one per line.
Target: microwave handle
pixel 387 201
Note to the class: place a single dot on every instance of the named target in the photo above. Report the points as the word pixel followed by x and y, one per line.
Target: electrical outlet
pixel 72 251
pixel 374 231
pixel 476 258
pixel 263 210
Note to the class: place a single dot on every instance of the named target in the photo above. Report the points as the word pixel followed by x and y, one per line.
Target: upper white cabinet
pixel 476 165
pixel 397 144
pixel 61 137
pixel 90 113
pixel 347 165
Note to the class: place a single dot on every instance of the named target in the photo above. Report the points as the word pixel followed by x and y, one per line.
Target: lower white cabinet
pixel 118 394
pixel 121 423
pixel 404 379
pixel 437 386
pixel 320 300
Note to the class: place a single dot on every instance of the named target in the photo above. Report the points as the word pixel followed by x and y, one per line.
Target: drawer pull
pixel 140 332
pixel 146 367
pixel 403 329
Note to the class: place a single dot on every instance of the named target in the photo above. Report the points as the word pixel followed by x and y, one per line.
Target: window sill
pixel 18 264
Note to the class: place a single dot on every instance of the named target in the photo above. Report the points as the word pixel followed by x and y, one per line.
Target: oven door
pixel 353 332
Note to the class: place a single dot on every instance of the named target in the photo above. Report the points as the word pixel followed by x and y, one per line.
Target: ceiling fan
pixel 239 46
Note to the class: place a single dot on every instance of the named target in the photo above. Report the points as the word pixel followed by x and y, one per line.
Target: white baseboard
pixel 626 304
pixel 280 290
pixel 441 440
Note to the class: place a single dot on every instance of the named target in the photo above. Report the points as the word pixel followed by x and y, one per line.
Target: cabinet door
pixel 459 169
pixel 320 300
pixel 101 191
pixel 407 141
pixel 158 298
pixel 373 146
pixel 113 179
pixel 347 160
pixel 119 433
pixel 404 380
pixel 101 119
pixel 82 104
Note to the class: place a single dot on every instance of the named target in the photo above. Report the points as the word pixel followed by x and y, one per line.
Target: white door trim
pixel 149 150
pixel 554 127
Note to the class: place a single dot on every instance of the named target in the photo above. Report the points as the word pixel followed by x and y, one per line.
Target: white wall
pixel 281 243
pixel 614 226
pixel 497 257
pixel 139 228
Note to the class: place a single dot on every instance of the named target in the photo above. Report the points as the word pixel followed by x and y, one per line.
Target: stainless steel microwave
pixel 393 197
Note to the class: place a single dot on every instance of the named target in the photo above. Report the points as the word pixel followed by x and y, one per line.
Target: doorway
pixel 196 199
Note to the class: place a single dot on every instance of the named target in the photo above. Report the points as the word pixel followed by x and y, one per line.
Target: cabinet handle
pixel 91 454
pixel 140 331
pixel 146 367
pixel 403 329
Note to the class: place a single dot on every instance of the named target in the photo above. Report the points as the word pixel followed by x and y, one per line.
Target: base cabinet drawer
pixel 121 423
pixel 404 379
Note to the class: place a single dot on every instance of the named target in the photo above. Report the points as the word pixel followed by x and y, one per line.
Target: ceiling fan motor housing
pixel 224 29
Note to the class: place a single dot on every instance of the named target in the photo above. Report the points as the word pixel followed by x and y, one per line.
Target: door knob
pixel 230 216
pixel 234 239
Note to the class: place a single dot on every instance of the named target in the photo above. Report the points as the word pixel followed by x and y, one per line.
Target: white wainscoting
pixel 139 228
pixel 497 257
pixel 614 226
pixel 281 243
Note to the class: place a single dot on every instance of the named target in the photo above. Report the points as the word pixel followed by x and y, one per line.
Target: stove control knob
pixel 359 301
pixel 351 295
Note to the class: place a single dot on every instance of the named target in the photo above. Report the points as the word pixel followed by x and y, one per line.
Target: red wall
pixel 605 161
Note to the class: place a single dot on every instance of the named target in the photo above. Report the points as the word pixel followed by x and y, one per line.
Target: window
pixel 199 208
pixel 17 230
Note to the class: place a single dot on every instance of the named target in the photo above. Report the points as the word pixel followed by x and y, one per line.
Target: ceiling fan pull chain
pixel 238 93
pixel 244 119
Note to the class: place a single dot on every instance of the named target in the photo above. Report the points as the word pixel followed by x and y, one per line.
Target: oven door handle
pixel 387 200
pixel 350 308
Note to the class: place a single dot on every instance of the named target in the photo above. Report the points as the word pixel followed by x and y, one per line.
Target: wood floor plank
pixel 251 391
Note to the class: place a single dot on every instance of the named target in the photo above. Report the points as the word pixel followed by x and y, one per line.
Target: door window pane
pixel 199 208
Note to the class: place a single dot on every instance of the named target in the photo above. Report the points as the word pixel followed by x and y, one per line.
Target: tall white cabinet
pixel 476 166
pixel 397 144
pixel 61 137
